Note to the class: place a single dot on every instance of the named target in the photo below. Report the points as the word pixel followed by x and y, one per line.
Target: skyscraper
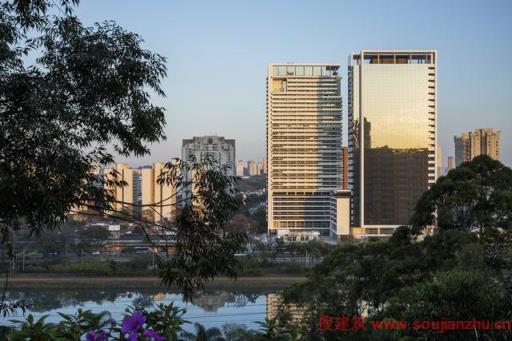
pixel 215 148
pixel 158 199
pixel 123 195
pixel 303 146
pixel 240 168
pixel 143 196
pixel 478 142
pixel 252 168
pixel 392 108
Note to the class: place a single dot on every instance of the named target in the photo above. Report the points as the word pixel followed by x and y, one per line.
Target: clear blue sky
pixel 218 52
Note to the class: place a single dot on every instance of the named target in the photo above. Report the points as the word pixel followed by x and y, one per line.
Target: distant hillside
pixel 252 183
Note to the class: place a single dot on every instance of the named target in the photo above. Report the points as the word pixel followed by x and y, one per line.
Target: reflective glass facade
pixel 392 134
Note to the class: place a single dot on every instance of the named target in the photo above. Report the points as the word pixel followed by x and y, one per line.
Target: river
pixel 215 307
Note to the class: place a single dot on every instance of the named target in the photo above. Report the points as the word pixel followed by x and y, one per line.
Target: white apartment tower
pixel 214 148
pixel 303 146
pixel 392 112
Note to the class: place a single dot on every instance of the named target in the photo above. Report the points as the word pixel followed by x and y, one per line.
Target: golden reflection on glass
pixel 395 128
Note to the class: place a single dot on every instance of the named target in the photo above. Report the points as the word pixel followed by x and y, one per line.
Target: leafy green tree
pixel 475 195
pixel 67 91
pixel 205 244
pixel 460 272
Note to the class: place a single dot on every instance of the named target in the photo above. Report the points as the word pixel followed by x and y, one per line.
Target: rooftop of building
pixel 303 70
pixel 426 56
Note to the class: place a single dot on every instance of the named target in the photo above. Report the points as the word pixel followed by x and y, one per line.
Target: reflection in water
pixel 213 301
pixel 212 308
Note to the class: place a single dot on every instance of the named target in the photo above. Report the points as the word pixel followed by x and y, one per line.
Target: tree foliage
pixel 475 195
pixel 67 91
pixel 205 245
pixel 461 272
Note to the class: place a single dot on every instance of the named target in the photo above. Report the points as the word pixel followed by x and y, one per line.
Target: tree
pixel 87 88
pixel 475 195
pixel 68 91
pixel 460 272
pixel 92 237
pixel 205 244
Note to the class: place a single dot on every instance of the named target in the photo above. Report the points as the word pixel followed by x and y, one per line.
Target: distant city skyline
pixel 218 53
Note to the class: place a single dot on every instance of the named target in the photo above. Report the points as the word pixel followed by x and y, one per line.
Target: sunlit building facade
pixel 471 144
pixel 303 146
pixel 252 168
pixel 392 111
pixel 124 196
pixel 143 195
pixel 240 168
pixel 157 198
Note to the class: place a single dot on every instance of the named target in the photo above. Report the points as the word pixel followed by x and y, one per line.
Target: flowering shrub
pixel 133 328
pixel 163 323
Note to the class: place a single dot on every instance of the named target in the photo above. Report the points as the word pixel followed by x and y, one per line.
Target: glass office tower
pixel 392 111
pixel 303 146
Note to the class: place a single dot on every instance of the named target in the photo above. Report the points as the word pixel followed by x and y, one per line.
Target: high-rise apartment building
pixel 240 168
pixel 158 199
pixel 143 196
pixel 252 168
pixel 303 146
pixel 462 148
pixel 260 167
pixel 392 109
pixel 468 145
pixel 124 196
pixel 87 208
pixel 215 148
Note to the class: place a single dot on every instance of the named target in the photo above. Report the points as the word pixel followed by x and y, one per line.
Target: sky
pixel 218 51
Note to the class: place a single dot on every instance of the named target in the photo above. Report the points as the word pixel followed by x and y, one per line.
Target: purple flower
pixel 133 323
pixel 134 336
pixel 152 334
pixel 96 336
